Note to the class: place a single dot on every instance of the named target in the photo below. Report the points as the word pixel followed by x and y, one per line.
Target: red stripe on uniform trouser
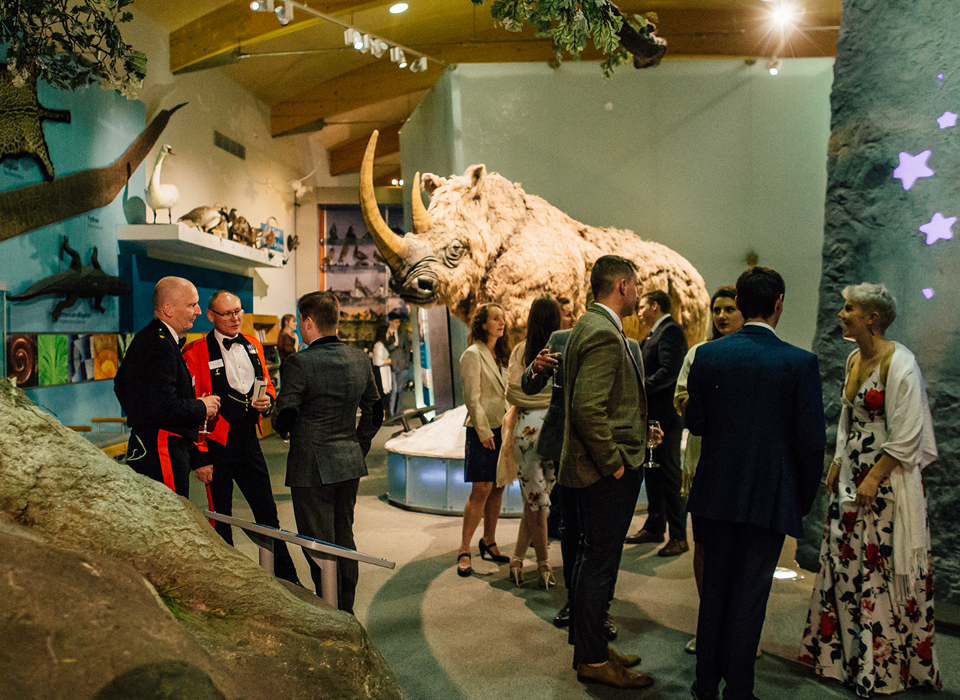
pixel 213 523
pixel 163 452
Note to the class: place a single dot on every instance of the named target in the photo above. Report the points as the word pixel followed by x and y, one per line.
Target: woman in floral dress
pixel 870 623
pixel 526 419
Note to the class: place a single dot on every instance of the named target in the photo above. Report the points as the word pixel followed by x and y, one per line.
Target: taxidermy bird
pixel 162 196
pixel 342 260
pixel 351 236
pixel 332 236
pixel 360 257
pixel 240 229
pixel 292 242
pixel 204 218
pixel 329 259
pixel 361 289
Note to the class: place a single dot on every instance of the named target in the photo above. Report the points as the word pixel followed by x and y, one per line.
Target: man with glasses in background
pixel 231 365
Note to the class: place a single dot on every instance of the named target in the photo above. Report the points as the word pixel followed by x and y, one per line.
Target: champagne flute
pixel 650 463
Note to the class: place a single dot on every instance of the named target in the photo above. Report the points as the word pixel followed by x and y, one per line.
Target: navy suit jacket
pixel 663 352
pixel 757 402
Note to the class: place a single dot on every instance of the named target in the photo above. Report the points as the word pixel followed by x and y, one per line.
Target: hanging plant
pixel 570 23
pixel 71 44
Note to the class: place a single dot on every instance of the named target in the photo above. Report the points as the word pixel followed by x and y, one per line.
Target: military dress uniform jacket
pixel 154 386
pixel 205 361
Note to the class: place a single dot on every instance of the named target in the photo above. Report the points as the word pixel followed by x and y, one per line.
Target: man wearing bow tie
pixel 231 366
pixel 155 391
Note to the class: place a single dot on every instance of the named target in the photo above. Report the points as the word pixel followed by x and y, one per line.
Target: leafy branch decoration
pixel 71 44
pixel 571 23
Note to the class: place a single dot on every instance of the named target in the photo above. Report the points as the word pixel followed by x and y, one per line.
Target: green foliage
pixel 570 23
pixel 71 44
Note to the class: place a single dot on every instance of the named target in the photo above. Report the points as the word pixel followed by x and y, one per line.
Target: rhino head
pixel 450 250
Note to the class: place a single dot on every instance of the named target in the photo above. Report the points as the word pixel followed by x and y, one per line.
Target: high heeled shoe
pixel 516 572
pixel 547 578
pixel 486 549
pixel 464 571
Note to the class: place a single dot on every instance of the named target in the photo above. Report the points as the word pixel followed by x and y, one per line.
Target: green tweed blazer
pixel 605 426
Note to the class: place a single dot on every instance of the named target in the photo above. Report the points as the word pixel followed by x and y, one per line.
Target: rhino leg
pixel 65 304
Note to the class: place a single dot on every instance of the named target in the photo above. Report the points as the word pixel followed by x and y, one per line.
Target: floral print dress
pixel 857 630
pixel 537 476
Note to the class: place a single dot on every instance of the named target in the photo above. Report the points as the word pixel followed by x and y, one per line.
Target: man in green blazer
pixel 603 447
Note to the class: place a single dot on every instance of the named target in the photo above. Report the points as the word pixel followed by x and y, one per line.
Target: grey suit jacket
pixel 550 442
pixel 322 387
pixel 605 403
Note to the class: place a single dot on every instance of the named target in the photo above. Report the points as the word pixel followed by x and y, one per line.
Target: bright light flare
pixel 785 14
pixel 399 7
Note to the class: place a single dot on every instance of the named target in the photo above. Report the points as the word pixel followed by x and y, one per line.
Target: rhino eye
pixel 453 253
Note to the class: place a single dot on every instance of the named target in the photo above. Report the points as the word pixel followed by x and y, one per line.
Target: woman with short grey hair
pixel 871 622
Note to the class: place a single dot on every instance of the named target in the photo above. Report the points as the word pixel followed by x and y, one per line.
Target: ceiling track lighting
pixel 774 65
pixel 364 43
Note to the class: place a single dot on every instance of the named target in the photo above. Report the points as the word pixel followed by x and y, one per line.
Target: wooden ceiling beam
pixel 349 156
pixel 211 39
pixel 375 82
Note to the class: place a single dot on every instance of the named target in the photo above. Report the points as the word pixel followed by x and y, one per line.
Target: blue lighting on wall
pixel 912 168
pixel 927 292
pixel 938 227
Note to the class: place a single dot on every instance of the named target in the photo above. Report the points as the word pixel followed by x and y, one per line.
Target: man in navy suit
pixel 757 402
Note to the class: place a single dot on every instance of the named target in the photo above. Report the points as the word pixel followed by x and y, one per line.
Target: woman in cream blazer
pixel 482 374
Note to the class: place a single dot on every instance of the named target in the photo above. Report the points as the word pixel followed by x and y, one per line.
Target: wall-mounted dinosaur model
pixel 78 282
pixel 34 206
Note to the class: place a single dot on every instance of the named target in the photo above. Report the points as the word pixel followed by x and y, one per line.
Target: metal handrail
pixel 323 553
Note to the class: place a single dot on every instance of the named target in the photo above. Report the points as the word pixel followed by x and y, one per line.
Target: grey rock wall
pixel 897 71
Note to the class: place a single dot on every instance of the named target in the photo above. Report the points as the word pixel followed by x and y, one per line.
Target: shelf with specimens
pixel 353 269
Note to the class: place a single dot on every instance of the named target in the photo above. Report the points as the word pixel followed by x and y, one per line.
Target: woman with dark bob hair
pixel 870 623
pixel 481 372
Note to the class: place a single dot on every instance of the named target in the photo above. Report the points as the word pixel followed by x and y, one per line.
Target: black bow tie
pixel 181 343
pixel 229 342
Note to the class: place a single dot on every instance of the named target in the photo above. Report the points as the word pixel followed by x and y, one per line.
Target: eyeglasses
pixel 229 314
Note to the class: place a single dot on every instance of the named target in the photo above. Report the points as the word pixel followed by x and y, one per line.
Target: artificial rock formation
pixel 894 86
pixel 85 514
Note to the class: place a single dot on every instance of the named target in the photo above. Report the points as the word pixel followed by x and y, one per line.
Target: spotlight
pixel 363 45
pixel 264 6
pixel 785 14
pixel 419 65
pixel 394 182
pixel 396 55
pixel 773 66
pixel 378 47
pixel 351 37
pixel 398 8
pixel 285 13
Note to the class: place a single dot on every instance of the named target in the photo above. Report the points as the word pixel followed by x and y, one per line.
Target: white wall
pixel 712 158
pixel 258 187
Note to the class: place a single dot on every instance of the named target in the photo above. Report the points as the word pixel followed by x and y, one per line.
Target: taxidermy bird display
pixel 78 282
pixel 204 218
pixel 161 196
pixel 240 229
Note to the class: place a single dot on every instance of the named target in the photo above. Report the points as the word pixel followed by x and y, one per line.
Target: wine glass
pixel 650 463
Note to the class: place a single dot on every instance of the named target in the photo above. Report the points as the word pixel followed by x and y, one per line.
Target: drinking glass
pixel 650 463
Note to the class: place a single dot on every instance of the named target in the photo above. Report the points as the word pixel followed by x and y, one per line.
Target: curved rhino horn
pixel 421 219
pixel 391 246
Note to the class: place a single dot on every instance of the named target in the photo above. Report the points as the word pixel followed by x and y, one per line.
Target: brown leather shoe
pixel 613 675
pixel 643 537
pixel 625 660
pixel 674 548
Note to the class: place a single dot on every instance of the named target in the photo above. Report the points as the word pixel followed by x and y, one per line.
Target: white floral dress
pixel 857 631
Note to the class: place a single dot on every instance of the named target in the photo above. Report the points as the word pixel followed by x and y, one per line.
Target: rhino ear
pixel 429 182
pixel 476 173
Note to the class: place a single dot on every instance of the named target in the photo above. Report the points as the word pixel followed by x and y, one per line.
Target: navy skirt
pixel 479 463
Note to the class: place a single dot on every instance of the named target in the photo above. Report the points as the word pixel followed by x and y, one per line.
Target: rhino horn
pixel 421 219
pixel 391 246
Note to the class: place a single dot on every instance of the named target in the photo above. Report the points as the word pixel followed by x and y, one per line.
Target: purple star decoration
pixel 912 168
pixel 938 227
pixel 947 120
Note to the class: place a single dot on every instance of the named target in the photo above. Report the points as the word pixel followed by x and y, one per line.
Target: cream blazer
pixel 484 388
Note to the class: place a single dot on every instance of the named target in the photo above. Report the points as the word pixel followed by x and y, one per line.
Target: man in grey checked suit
pixel 322 388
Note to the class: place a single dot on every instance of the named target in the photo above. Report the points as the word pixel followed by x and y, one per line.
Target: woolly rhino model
pixel 484 239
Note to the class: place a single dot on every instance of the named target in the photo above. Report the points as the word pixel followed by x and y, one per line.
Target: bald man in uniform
pixel 155 390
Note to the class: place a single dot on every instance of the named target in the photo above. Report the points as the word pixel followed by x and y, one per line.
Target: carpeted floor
pixel 452 638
